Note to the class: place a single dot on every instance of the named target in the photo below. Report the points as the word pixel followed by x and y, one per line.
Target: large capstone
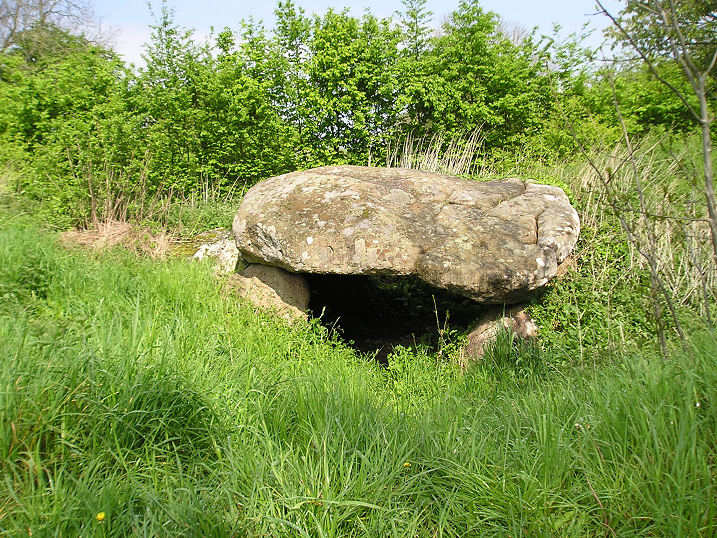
pixel 493 242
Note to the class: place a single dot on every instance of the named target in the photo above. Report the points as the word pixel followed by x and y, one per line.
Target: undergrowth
pixel 138 389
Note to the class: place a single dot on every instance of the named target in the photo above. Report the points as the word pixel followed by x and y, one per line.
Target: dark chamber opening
pixel 376 313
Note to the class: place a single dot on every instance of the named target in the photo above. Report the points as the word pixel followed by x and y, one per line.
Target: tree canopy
pixel 329 88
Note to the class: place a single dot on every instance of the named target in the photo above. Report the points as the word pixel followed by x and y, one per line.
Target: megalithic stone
pixel 491 241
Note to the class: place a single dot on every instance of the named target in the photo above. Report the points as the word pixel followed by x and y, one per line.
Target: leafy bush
pixel 103 139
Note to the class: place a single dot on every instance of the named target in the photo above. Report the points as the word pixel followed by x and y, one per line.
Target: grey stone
pixel 223 250
pixel 494 241
pixel 515 319
pixel 273 289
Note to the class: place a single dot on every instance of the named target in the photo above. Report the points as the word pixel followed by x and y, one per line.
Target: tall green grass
pixel 140 389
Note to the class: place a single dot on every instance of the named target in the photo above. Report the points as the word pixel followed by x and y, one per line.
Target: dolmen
pixel 494 242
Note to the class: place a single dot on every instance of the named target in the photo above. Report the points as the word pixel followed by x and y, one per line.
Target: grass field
pixel 138 398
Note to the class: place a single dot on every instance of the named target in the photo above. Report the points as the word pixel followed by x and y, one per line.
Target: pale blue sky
pixel 128 20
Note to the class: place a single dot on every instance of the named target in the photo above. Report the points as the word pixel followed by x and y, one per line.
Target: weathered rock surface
pixel 515 319
pixel 222 249
pixel 273 289
pixel 491 241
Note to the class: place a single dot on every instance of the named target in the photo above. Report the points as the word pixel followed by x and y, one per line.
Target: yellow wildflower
pixel 100 516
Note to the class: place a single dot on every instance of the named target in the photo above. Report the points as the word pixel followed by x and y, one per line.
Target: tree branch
pixel 647 61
